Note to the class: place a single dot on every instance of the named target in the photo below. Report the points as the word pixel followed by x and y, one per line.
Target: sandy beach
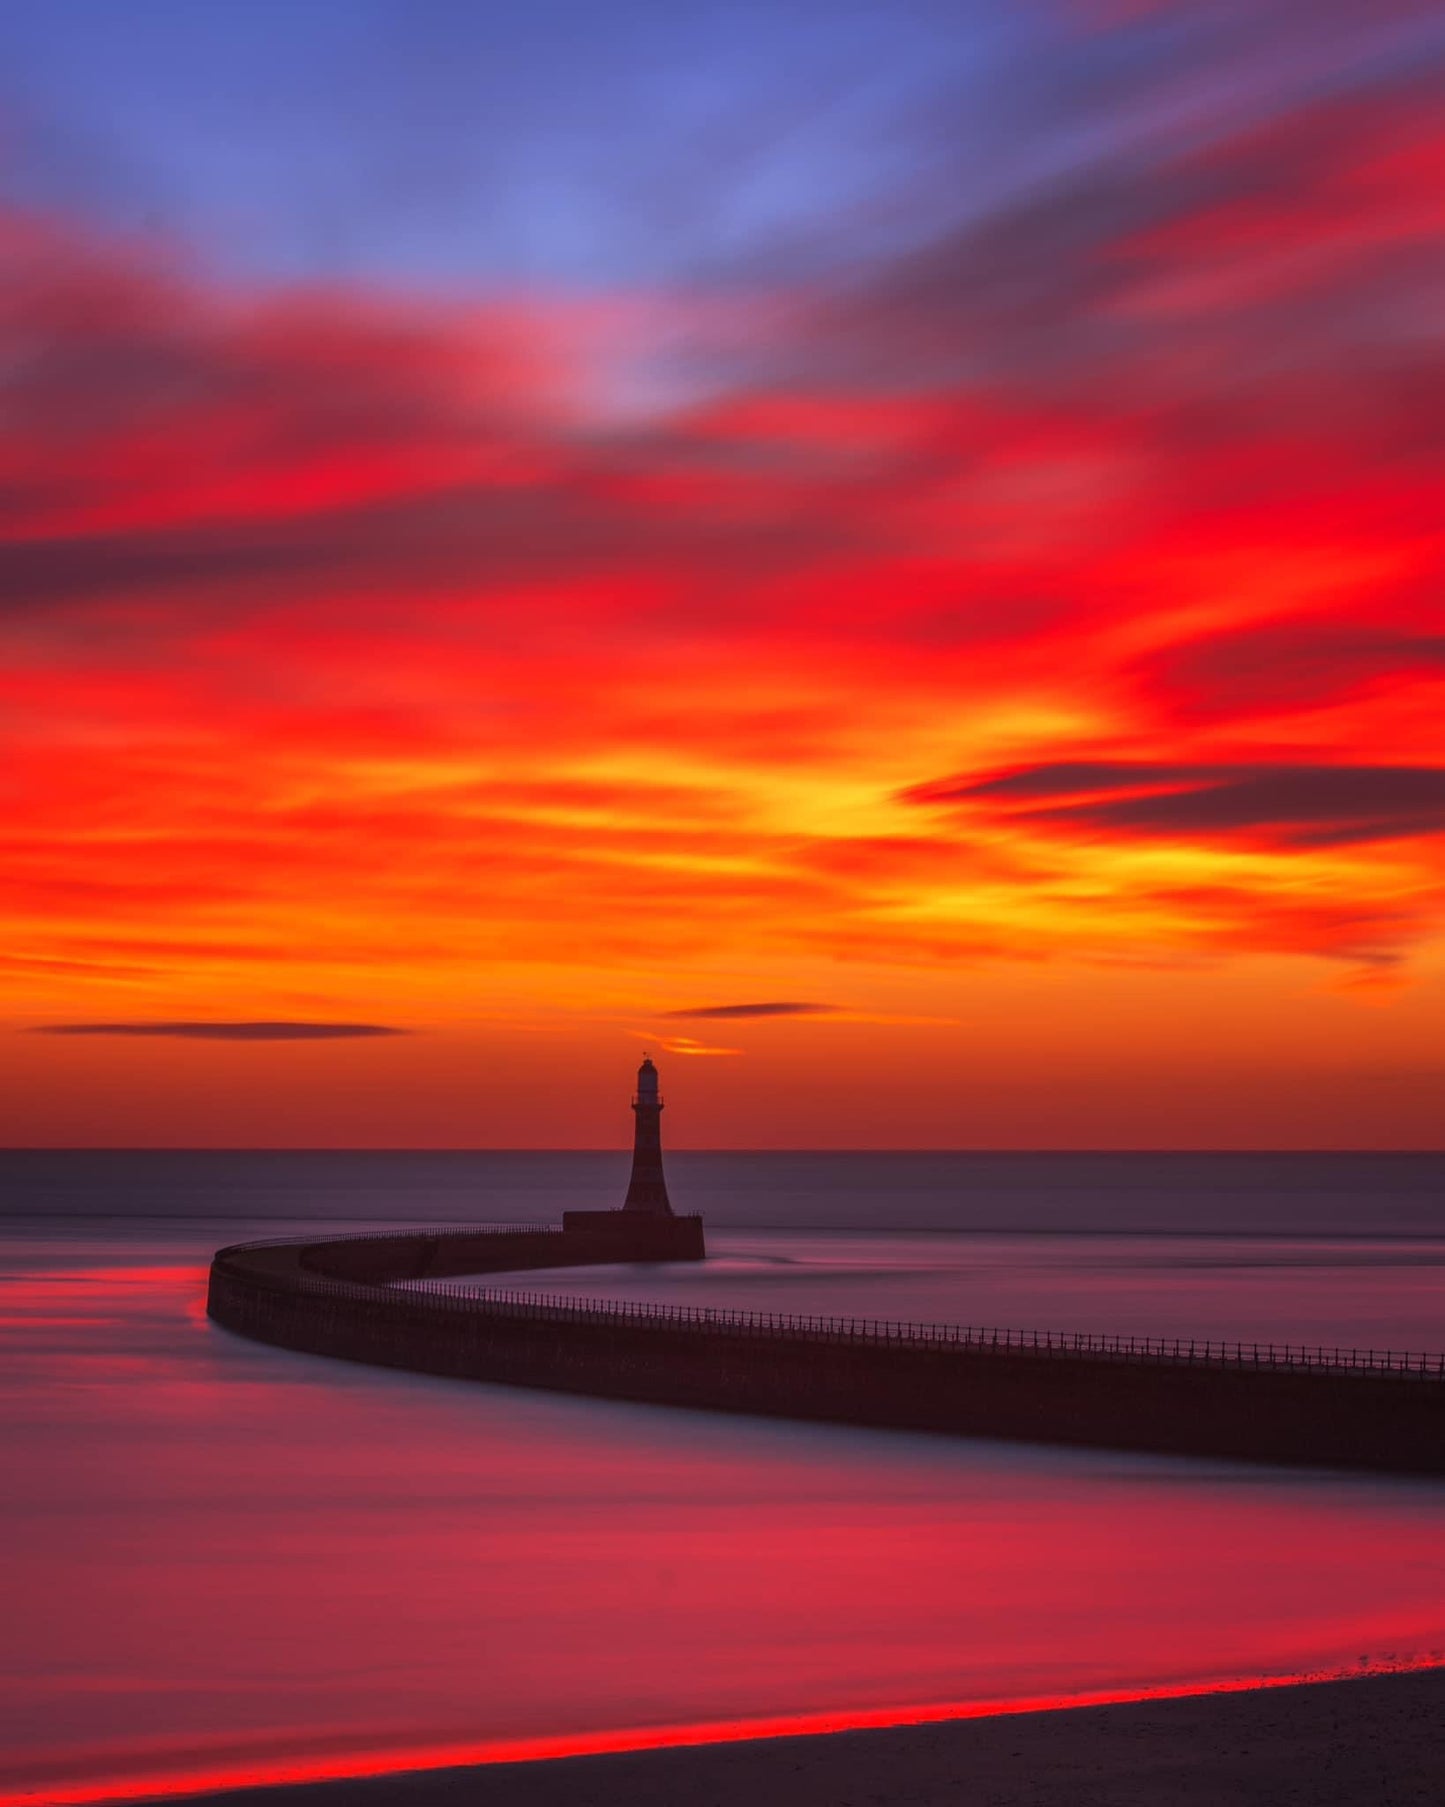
pixel 1374 1742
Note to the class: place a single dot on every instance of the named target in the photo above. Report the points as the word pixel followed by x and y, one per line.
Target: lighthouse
pixel 647 1190
pixel 645 1228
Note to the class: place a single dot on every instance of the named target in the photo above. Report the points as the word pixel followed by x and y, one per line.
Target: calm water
pixel 223 1560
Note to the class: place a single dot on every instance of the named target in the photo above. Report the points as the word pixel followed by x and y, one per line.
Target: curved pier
pixel 349 1297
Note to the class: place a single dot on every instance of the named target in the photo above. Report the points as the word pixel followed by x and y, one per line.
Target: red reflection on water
pixel 359 1764
pixel 237 1566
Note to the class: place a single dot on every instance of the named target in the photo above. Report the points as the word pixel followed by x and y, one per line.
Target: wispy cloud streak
pixel 228 1032
pixel 725 1012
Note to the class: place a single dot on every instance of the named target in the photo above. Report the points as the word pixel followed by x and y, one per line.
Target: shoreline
pixel 1359 1741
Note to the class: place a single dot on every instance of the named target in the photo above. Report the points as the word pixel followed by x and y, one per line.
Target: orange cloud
pixel 682 1044
pixel 1060 598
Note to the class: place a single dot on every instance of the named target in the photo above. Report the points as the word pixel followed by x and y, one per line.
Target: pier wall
pixel 340 1298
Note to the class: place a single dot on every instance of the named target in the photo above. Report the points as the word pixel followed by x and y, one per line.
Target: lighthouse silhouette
pixel 646 1228
pixel 647 1189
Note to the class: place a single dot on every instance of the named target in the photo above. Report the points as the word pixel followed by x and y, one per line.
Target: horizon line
pixel 621 1149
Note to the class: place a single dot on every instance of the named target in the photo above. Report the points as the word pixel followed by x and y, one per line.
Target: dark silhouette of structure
pixel 647 1190
pixel 341 1296
pixel 1344 1408
pixel 646 1228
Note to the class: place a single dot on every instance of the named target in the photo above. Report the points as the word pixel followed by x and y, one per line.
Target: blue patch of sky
pixel 440 144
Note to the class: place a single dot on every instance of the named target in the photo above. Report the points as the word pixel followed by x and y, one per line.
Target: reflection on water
pixel 221 1556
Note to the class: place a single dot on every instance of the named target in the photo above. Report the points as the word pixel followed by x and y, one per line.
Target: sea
pixel 224 1563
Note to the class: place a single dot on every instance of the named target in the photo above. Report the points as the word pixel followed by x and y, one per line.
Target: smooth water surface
pixel 226 1560
pixel 1354 1293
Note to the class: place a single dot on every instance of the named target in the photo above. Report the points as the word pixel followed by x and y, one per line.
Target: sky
pixel 889 555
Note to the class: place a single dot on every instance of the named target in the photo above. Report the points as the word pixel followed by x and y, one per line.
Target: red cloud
pixel 353 644
pixel 1281 666
pixel 1308 805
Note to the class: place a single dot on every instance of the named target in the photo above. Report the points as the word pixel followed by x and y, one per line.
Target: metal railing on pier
pixel 419 1231
pixel 448 1298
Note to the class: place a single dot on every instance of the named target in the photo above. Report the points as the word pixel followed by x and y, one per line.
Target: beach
pixel 1378 1741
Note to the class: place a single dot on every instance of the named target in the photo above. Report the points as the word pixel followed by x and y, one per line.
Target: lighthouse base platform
pixel 640 1235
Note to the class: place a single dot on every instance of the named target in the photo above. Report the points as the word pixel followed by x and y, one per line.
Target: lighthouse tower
pixel 647 1190
pixel 646 1228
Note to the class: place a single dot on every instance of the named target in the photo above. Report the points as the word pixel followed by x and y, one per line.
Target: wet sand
pixel 1374 1742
